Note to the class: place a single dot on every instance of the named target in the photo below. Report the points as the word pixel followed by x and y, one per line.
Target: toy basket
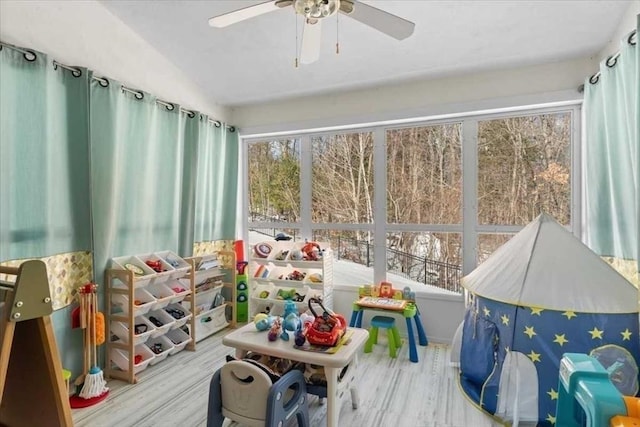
pixel 328 328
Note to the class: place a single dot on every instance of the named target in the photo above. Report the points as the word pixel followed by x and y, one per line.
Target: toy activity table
pixel 406 308
pixel 248 339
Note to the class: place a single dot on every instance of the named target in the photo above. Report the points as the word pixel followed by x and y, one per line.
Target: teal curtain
pixel 137 148
pixel 86 165
pixel 612 156
pixel 216 181
pixel 44 157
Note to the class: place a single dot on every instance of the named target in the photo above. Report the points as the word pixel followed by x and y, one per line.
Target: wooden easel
pixel 32 390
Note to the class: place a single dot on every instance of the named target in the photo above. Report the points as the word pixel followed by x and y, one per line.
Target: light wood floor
pixel 393 392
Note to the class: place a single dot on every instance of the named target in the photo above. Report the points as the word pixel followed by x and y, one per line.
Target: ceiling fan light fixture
pixel 316 9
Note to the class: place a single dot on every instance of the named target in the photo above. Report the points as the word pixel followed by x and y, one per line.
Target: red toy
pixel 326 330
pixel 311 251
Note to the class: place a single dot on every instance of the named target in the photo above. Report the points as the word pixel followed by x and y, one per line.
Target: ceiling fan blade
pixel 236 16
pixel 392 25
pixel 311 37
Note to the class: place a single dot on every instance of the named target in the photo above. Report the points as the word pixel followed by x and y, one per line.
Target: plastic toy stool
pixel 393 336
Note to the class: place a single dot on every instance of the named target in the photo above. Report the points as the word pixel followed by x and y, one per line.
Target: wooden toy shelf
pixel 211 314
pixel 146 312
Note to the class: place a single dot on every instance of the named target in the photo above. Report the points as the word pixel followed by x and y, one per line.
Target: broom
pixel 94 383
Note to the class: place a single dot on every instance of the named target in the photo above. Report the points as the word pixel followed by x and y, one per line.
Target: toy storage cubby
pixel 274 276
pixel 147 298
pixel 215 294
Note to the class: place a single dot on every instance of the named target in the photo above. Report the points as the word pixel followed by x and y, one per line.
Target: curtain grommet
pixel 29 56
pixel 611 61
pixel 594 79
pixel 104 82
pixel 630 39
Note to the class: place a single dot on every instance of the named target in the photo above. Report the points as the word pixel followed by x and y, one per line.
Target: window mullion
pixel 380 206
pixel 306 168
pixel 469 195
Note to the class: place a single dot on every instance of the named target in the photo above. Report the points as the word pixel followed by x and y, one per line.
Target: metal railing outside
pixel 419 269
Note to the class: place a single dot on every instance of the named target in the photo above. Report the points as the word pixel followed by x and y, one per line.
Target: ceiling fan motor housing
pixel 315 9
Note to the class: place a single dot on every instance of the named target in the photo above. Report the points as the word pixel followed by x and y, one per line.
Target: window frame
pixel 469 228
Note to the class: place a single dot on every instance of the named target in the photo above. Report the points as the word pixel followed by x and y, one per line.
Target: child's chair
pixel 243 392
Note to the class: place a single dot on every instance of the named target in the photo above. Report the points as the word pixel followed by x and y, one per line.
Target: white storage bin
pixel 178 322
pixel 211 322
pixel 165 344
pixel 282 293
pixel 259 306
pixel 162 293
pixel 121 358
pixel 141 280
pixel 207 263
pixel 179 339
pixel 180 266
pixel 266 271
pixel 143 302
pixel 206 299
pixel 180 290
pixel 162 317
pixel 166 270
pixel 121 330
pixel 263 290
pixel 313 293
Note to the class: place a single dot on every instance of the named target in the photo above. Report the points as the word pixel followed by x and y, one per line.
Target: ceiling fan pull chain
pixel 295 16
pixel 337 33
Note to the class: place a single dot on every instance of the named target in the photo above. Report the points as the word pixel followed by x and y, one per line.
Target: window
pixel 424 175
pixel 524 166
pixel 342 183
pixel 274 180
pixel 418 205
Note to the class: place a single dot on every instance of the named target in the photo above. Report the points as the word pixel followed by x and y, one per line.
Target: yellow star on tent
pixel 487 312
pixel 535 357
pixel 626 335
pixel 553 394
pixel 551 419
pixel 536 311
pixel 560 339
pixel 505 319
pixel 528 330
pixel 569 314
pixel 596 333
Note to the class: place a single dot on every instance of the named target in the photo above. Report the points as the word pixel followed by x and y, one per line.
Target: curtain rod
pixel 104 82
pixel 611 60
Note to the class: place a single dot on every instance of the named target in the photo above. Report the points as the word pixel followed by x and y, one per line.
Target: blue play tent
pixel 541 295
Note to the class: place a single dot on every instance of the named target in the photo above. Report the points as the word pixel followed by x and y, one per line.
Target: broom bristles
pixel 94 384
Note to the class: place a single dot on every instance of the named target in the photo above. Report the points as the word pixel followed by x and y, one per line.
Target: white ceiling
pixel 253 61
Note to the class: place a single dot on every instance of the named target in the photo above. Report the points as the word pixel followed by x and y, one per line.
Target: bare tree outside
pixel 523 169
pixel 342 190
pixel 274 180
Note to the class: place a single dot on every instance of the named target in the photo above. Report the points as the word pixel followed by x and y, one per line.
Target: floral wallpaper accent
pixel 212 246
pixel 65 273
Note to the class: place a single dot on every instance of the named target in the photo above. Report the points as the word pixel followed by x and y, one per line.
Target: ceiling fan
pixel 314 11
